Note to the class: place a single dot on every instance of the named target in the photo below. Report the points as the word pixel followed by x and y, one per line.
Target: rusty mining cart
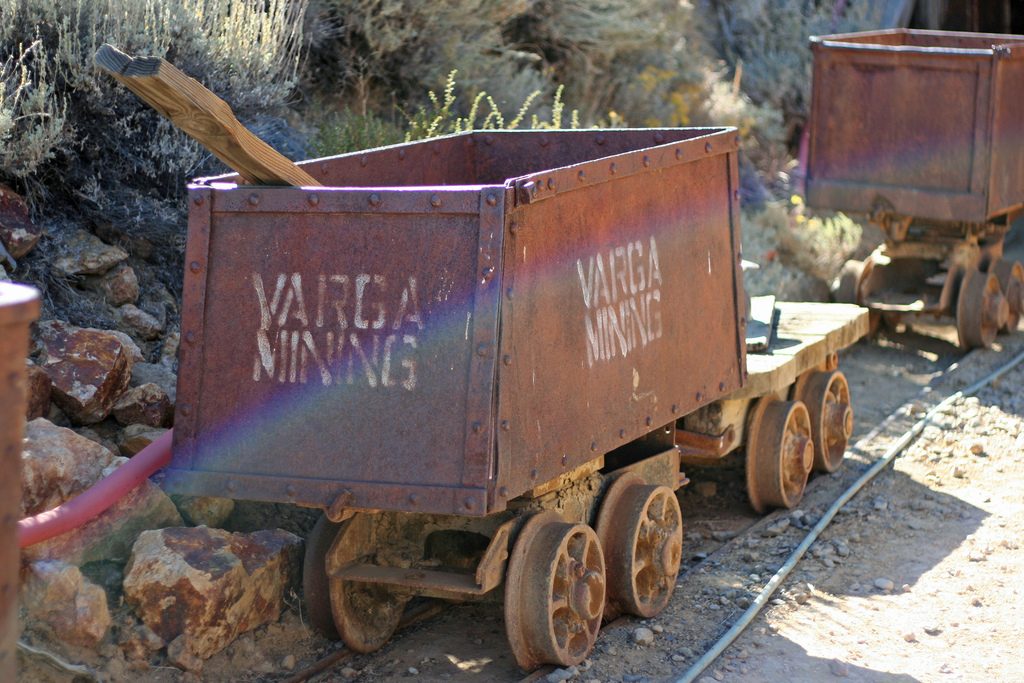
pixel 922 131
pixel 478 354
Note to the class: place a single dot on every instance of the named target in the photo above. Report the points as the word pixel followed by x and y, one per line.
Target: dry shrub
pixel 798 253
pixel 68 130
pixel 383 53
pixel 764 45
pixel 621 61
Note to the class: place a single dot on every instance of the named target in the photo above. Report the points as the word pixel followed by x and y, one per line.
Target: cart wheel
pixel 554 592
pixel 981 309
pixel 827 397
pixel 365 614
pixel 780 453
pixel 1011 280
pixel 641 530
pixel 315 586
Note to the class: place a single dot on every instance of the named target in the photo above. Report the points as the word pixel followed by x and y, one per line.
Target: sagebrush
pixel 67 128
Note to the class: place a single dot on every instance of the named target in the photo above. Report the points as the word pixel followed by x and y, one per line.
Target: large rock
pixel 17 231
pixel 139 322
pixel 111 535
pixel 147 404
pixel 65 605
pixel 209 585
pixel 85 254
pixel 119 285
pixel 38 390
pixel 156 373
pixel 57 464
pixel 136 437
pixel 89 369
pixel 204 510
pixel 130 346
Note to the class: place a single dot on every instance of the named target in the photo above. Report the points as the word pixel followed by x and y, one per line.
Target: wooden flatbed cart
pixel 794 414
pixel 922 131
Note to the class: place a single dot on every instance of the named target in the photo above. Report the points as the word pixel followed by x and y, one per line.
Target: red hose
pixel 97 498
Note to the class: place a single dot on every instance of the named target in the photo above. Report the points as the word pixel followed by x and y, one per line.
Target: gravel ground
pixel 912 581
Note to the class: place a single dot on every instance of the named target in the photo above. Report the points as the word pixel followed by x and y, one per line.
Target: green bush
pixel 345 131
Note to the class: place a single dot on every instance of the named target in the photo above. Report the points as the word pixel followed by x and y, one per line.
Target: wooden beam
pixel 204 116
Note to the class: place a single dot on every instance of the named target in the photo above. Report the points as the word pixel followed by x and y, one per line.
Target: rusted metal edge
pixel 427 582
pixel 852 38
pixel 969 207
pixel 445 199
pixel 479 456
pixel 308 164
pixel 904 49
pixel 402 149
pixel 192 325
pixel 738 290
pixel 709 446
pixel 318 493
pixel 543 185
pixel 489 574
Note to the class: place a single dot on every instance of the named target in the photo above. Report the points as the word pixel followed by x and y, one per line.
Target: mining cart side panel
pixel 901 132
pixel 1007 184
pixel 335 350
pixel 622 304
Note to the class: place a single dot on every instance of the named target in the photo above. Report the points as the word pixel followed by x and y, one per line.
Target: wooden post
pixel 204 116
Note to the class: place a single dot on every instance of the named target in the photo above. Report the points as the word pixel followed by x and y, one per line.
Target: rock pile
pixel 138 584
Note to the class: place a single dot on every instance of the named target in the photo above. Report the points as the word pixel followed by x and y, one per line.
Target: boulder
pixel 110 536
pixel 130 346
pixel 57 464
pixel 119 285
pixel 169 352
pixel 139 322
pixel 38 391
pixel 85 254
pixel 104 439
pixel 147 404
pixel 156 373
pixel 204 510
pixel 135 437
pixel 89 369
pixel 18 233
pixel 139 642
pixel 209 585
pixel 65 605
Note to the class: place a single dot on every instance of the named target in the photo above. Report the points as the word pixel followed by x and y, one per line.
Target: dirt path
pixel 928 585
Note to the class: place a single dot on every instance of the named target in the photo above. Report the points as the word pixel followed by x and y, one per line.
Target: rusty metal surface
pixel 19 306
pixel 606 274
pixel 918 123
pixel 340 345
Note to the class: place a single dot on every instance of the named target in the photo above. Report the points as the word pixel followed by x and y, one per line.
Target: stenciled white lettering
pixel 621 290
pixel 378 349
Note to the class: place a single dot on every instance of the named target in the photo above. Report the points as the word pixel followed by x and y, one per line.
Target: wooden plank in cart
pixel 807 334
pixel 204 116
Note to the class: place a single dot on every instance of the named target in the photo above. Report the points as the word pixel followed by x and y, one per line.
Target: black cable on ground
pixel 766 593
